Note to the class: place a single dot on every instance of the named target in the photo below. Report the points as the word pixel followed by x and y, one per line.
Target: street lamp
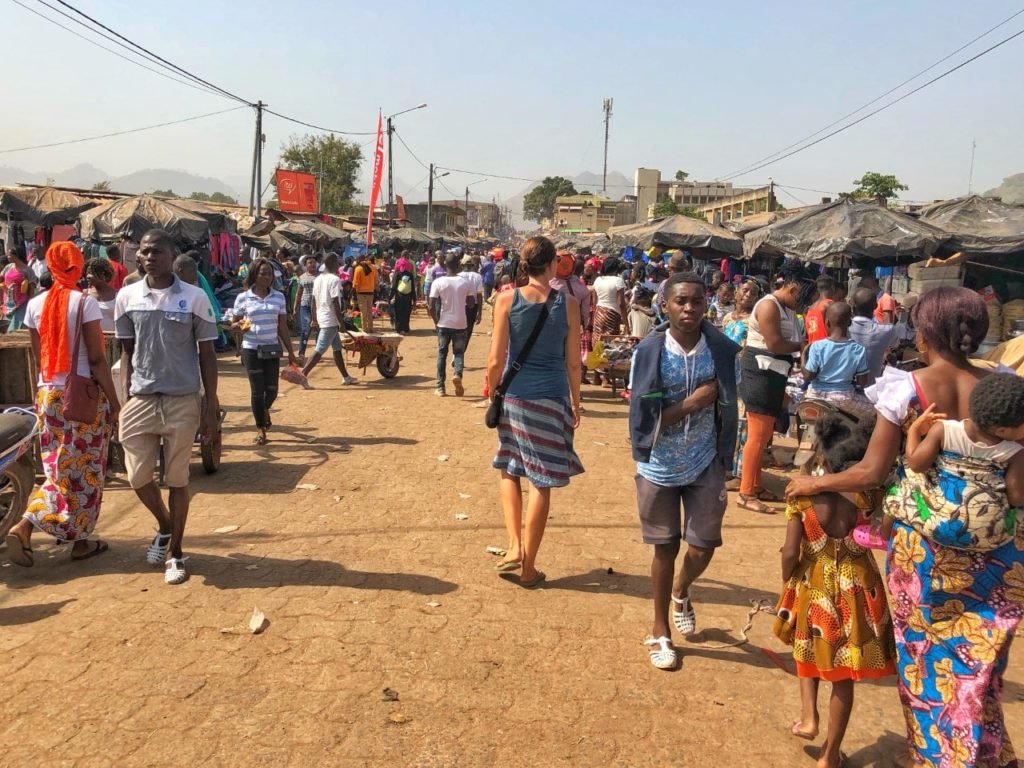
pixel 391 174
pixel 430 196
pixel 481 181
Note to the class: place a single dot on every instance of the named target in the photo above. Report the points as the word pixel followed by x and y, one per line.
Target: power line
pixel 891 90
pixel 400 139
pixel 491 175
pixel 319 127
pixel 151 54
pixel 122 133
pixel 881 108
pixel 43 16
pixel 805 189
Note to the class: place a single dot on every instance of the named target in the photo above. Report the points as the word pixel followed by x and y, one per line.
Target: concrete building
pixel 584 213
pixel 481 218
pixel 743 203
pixel 650 188
pixel 447 218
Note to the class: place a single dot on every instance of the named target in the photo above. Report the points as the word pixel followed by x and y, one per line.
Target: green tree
pixel 220 197
pixel 665 206
pixel 682 175
pixel 692 211
pixel 101 186
pixel 202 197
pixel 163 193
pixel 879 186
pixel 539 202
pixel 336 159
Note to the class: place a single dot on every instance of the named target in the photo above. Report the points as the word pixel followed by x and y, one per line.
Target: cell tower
pixel 607 119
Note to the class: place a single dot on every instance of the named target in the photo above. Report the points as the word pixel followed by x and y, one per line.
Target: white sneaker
pixel 175 572
pixel 350 380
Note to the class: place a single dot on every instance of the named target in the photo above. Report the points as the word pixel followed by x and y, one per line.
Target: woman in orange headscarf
pixel 67 504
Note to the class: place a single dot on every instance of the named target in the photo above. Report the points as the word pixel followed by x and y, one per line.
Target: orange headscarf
pixel 65 263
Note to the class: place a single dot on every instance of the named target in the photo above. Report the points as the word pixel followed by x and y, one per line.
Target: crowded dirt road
pixel 349 539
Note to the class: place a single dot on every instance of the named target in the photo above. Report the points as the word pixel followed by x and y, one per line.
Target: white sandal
pixel 175 572
pixel 665 656
pixel 157 552
pixel 684 619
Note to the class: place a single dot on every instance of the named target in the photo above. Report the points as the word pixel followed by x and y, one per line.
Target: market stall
pixel 702 239
pixel 131 217
pixel 40 214
pixel 290 235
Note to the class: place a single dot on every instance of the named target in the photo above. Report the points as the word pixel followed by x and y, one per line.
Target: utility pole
pixel 391 179
pixel 607 107
pixel 255 154
pixel 430 200
pixel 970 178
pixel 259 157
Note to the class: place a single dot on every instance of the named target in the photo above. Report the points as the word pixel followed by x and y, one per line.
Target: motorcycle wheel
pixel 16 485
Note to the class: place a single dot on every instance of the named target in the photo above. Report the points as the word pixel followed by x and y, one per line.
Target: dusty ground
pixel 104 665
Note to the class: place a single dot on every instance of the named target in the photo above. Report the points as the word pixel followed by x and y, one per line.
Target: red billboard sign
pixel 296 191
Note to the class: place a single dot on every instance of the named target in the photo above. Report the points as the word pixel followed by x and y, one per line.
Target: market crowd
pixel 715 364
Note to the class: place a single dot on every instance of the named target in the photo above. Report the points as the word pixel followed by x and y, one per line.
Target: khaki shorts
pixel 703 505
pixel 148 420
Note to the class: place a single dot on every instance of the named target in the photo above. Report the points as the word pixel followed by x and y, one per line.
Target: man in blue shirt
pixel 683 429
pixel 487 275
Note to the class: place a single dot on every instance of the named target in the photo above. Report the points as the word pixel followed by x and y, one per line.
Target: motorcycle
pixel 18 428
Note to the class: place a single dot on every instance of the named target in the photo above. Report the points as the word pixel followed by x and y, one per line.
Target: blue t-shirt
pixel 684 450
pixel 836 364
pixel 487 271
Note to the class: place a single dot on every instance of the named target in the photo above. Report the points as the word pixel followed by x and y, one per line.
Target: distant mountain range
pixel 1011 190
pixel 84 176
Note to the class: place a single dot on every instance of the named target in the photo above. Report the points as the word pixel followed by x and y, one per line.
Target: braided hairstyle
pixel 951 320
pixel 998 401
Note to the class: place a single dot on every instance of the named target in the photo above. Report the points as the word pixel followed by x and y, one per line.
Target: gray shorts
pixel 703 508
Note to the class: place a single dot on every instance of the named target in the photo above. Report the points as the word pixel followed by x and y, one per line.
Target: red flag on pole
pixel 378 170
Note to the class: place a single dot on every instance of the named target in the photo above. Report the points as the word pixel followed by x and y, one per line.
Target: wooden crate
pixel 18 370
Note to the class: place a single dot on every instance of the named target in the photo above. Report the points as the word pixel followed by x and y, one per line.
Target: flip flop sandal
pixel 99 549
pixel 18 553
pixel 664 657
pixel 508 566
pixel 807 735
pixel 157 552
pixel 684 619
pixel 535 582
pixel 754 505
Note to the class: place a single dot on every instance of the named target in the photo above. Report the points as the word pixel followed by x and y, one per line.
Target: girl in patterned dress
pixel 833 609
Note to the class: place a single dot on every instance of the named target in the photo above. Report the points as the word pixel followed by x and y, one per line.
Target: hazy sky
pixel 515 88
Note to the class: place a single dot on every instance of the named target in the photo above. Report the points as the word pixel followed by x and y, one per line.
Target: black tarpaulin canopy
pixel 979 225
pixel 218 220
pixel 702 239
pixel 405 237
pixel 44 206
pixel 834 234
pixel 132 217
pixel 315 233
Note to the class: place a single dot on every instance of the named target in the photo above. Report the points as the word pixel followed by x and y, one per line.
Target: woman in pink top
pixel 17 289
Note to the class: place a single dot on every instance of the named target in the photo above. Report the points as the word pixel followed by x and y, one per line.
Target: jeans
pixel 471 313
pixel 488 290
pixel 263 383
pixel 305 318
pixel 456 338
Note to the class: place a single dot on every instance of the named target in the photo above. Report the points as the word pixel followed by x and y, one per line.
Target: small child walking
pixel 833 608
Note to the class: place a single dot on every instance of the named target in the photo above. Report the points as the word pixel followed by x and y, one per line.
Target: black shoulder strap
pixel 517 364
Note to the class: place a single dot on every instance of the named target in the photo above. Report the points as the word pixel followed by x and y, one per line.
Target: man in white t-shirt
pixel 449 297
pixel 329 317
pixel 475 311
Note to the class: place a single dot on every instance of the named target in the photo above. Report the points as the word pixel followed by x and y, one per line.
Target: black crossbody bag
pixel 493 415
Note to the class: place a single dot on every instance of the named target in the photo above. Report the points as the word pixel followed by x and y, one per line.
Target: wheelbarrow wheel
pixel 16 483
pixel 387 364
pixel 211 452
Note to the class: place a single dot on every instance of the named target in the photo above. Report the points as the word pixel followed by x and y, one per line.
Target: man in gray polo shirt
pixel 167 329
pixel 877 339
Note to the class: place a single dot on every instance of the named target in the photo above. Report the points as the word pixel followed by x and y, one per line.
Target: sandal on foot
pixel 260 439
pixel 157 552
pixel 536 581
pixel 754 504
pixel 664 656
pixel 766 495
pixel 174 571
pixel 802 734
pixel 18 553
pixel 508 565
pixel 684 618
pixel 99 548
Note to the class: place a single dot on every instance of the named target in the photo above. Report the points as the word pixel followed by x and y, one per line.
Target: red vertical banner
pixel 378 170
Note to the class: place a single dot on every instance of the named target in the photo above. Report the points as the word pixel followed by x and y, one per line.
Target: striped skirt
pixel 607 322
pixel 535 442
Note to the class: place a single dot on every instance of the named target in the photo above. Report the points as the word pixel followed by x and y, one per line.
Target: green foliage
pixel 216 197
pixel 163 193
pixel 878 186
pixel 692 212
pixel 682 175
pixel 665 206
pixel 337 159
pixel 539 202
pixel 101 186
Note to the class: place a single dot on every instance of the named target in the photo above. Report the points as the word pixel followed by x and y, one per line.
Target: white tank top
pixel 790 326
pixel 955 440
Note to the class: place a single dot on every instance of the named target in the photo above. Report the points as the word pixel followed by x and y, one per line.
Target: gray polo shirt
pixel 166 325
pixel 877 339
